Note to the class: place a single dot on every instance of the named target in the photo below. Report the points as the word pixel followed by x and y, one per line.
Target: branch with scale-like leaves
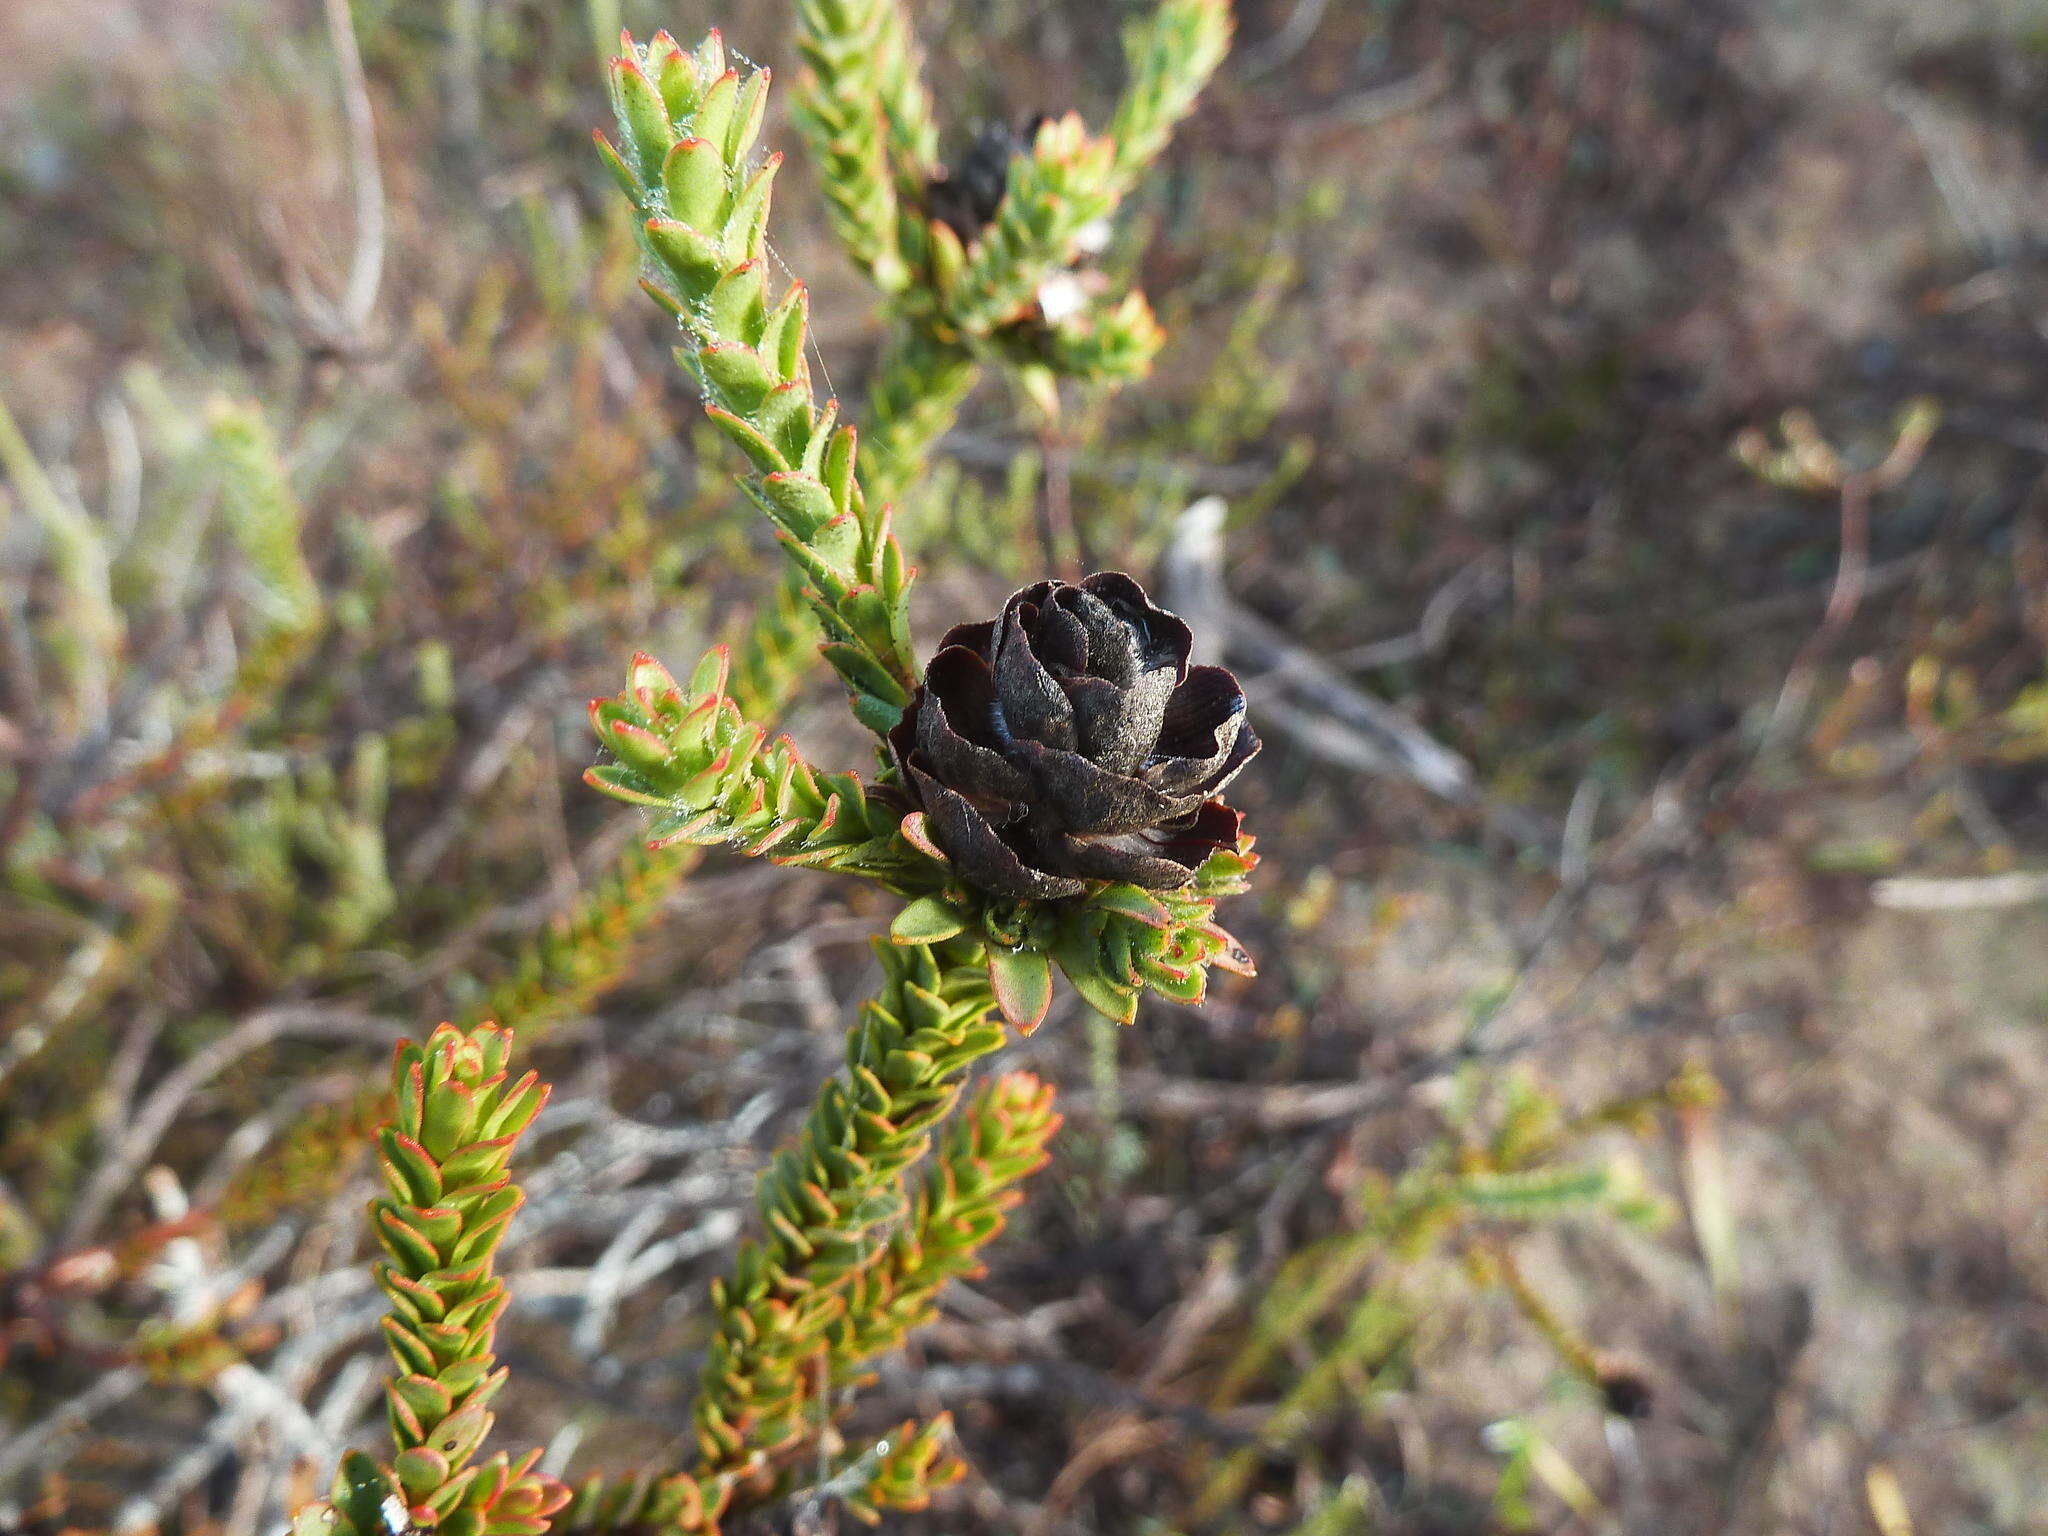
pixel 906 103
pixel 687 126
pixel 827 1201
pixel 1171 54
pixel 1061 188
pixel 916 392
pixel 868 1306
pixel 710 777
pixel 852 50
pixel 984 279
pixel 826 1204
pixel 998 1141
pixel 899 1473
pixel 450 1197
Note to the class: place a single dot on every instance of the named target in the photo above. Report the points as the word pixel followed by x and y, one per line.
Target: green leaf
pixel 643 119
pixel 443 1500
pixel 748 221
pixel 1225 952
pixel 763 454
pixel 457 1436
pixel 928 920
pixel 408 1170
pixel 739 374
pixel 1022 982
pixel 675 76
pixel 466 1375
pixel 691 260
pixel 481 1162
pixel 1117 960
pixel 799 503
pixel 360 1490
pixel 426 1397
pixel 408 1249
pixel 786 417
pixel 1179 986
pixel 738 304
pixel 879 715
pixel 708 677
pixel 782 334
pixel 622 173
pixel 638 749
pixel 1098 991
pixel 450 1113
pixel 622 783
pixel 838 468
pixel 714 117
pixel 420 1471
pixel 1132 902
pixel 858 666
pixel 746 121
pixel 694 177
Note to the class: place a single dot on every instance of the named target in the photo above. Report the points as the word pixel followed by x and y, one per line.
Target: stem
pixel 828 1201
pixel 1061 540
pixel 913 400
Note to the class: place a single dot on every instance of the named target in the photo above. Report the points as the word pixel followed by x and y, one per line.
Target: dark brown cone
pixel 966 197
pixel 1069 740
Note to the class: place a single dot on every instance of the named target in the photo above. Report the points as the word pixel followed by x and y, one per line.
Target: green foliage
pixel 916 392
pixel 445 1159
pixel 807 1300
pixel 644 1501
pixel 712 778
pixel 900 1473
pixel 826 1202
pixel 91 637
pixel 997 1141
pixel 867 117
pixel 306 856
pixel 1509 1157
pixel 1113 944
pixel 686 126
pixel 851 1260
pixel 324 1143
pixel 1171 53
pixel 867 153
pixel 1055 193
pixel 139 820
pixel 585 950
pixel 267 524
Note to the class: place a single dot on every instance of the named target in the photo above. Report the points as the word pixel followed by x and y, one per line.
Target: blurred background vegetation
pixel 1607 438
